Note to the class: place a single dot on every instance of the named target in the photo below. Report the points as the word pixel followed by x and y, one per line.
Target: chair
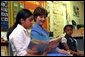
pixel 10 49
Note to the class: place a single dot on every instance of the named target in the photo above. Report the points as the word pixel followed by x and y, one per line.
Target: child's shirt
pixel 71 42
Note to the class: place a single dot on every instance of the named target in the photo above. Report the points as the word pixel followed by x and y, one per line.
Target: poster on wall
pixel 75 11
pixel 4 15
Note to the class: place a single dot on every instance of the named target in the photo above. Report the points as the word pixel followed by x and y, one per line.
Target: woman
pixel 40 36
pixel 18 35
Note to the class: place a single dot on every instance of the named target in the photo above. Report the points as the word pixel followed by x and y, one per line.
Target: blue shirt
pixel 39 33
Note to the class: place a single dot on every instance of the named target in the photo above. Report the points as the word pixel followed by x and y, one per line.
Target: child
pixel 18 37
pixel 69 43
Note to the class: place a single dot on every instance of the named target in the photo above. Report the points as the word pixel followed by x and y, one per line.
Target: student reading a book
pixel 40 37
pixel 18 35
pixel 69 43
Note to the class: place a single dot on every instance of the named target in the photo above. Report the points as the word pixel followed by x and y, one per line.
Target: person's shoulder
pixel 35 28
pixel 63 38
pixel 18 31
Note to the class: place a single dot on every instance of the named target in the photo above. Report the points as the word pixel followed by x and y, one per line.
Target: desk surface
pixel 78 33
pixel 78 37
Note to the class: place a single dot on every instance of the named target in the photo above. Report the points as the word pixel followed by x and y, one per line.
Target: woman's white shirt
pixel 20 40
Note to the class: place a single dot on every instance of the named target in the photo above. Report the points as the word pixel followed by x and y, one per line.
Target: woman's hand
pixel 31 51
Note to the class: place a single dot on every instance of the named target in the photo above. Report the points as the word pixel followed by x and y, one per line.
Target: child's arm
pixel 71 51
pixel 64 42
pixel 63 51
pixel 74 52
pixel 78 53
pixel 66 46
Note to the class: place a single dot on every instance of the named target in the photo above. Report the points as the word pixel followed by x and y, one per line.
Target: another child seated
pixel 69 43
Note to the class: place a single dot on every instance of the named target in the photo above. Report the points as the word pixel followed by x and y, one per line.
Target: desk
pixel 78 33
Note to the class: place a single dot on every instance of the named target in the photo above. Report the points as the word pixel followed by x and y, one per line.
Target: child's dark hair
pixel 22 14
pixel 39 11
pixel 68 26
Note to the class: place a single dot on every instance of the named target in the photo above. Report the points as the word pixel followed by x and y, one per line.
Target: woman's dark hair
pixel 68 26
pixel 22 14
pixel 39 11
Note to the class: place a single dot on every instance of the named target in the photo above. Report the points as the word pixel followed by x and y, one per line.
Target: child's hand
pixel 65 52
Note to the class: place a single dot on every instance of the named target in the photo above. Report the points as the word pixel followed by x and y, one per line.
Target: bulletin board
pixel 4 15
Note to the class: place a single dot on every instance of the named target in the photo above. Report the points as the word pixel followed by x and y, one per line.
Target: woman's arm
pixel 38 41
pixel 34 53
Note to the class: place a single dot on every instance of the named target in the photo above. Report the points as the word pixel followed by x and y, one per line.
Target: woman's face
pixel 41 19
pixel 28 22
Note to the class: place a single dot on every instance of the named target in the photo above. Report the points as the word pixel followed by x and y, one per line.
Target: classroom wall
pixel 71 16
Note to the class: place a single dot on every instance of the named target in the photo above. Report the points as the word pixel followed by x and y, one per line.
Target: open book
pixel 42 46
pixel 53 43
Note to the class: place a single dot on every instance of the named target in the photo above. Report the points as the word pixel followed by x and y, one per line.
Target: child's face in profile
pixel 69 31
